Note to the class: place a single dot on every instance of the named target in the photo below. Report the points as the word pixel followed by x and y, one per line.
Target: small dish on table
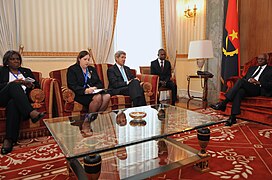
pixel 137 115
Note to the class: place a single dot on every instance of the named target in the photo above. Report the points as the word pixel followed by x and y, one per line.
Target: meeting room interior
pixel 136 89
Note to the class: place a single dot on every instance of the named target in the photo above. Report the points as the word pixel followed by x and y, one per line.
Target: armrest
pixel 147 86
pixel 47 89
pixel 37 96
pixel 67 94
pixel 231 81
pixel 68 97
pixel 173 79
pixel 151 83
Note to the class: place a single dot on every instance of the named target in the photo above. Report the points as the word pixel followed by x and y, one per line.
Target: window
pixel 138 31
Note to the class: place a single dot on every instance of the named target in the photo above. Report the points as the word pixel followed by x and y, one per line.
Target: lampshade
pixel 200 49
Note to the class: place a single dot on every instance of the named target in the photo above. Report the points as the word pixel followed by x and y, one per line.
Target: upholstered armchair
pixel 149 83
pixel 146 70
pixel 42 100
pixel 252 108
pixel 64 97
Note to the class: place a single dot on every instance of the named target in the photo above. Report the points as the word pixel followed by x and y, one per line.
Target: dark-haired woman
pixel 14 90
pixel 84 80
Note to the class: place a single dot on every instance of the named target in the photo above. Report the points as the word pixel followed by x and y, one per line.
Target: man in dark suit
pixel 162 68
pixel 122 81
pixel 256 82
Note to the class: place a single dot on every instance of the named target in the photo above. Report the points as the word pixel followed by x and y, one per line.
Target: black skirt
pixel 84 99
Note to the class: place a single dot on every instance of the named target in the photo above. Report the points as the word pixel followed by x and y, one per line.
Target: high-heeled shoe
pixel 39 117
pixel 7 146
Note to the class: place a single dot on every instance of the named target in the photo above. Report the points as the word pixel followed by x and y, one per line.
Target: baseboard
pixel 182 93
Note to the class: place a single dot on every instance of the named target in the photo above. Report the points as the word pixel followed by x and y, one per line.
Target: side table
pixel 204 86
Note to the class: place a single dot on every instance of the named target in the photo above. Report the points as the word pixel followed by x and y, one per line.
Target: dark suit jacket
pixel 116 79
pixel 76 81
pixel 4 77
pixel 164 75
pixel 265 79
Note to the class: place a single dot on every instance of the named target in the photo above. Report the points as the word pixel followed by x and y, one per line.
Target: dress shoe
pixel 39 117
pixel 231 121
pixel 7 146
pixel 218 106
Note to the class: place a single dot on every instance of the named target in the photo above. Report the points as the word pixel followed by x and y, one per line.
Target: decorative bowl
pixel 137 115
pixel 90 142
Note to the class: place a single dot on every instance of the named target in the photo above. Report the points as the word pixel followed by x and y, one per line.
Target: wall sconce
pixel 190 13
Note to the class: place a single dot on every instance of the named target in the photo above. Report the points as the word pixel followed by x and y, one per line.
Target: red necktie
pixel 162 65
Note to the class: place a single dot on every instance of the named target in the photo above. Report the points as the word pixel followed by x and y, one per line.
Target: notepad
pixel 98 91
pixel 29 79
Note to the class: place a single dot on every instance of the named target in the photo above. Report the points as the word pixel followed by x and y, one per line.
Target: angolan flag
pixel 231 45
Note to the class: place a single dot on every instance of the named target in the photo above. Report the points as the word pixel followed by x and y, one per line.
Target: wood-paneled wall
pixel 255 28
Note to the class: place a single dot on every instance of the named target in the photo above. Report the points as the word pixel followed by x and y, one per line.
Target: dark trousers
pixel 134 90
pixel 17 106
pixel 242 88
pixel 171 85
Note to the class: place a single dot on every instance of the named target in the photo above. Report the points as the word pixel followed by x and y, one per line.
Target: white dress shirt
pixel 258 75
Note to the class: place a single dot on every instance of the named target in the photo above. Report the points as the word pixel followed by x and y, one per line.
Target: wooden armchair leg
pixel 170 94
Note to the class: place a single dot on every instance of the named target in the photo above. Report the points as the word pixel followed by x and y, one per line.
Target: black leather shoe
pixel 7 146
pixel 39 117
pixel 231 121
pixel 218 106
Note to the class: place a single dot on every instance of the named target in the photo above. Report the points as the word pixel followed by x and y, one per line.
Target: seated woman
pixel 14 91
pixel 84 80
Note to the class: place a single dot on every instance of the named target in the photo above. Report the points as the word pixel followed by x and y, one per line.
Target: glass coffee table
pixel 131 143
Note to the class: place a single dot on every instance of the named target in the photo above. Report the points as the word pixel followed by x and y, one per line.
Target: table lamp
pixel 201 50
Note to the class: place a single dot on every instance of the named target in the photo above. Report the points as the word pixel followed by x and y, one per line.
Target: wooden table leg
pixel 188 87
pixel 205 89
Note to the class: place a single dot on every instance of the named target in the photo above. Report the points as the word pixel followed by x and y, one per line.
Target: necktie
pixel 257 72
pixel 123 74
pixel 162 65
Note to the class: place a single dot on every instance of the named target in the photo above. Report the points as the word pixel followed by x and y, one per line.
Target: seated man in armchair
pixel 162 68
pixel 122 82
pixel 256 82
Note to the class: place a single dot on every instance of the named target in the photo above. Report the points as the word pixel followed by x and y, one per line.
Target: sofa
pixel 42 100
pixel 64 97
pixel 258 109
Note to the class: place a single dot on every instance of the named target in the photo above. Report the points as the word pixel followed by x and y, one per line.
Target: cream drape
pixel 169 28
pixel 190 28
pixel 9 26
pixel 68 26
pixel 102 18
pixel 54 25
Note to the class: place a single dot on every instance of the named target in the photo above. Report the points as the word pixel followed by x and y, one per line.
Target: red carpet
pixel 34 159
pixel 243 151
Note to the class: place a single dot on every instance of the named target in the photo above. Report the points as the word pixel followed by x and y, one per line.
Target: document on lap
pixel 98 91
pixel 29 79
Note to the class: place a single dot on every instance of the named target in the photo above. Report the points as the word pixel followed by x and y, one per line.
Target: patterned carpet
pixel 243 151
